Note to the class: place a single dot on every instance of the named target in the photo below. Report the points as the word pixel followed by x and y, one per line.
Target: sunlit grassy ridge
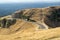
pixel 33 24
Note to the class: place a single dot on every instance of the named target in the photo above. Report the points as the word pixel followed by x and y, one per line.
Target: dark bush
pixel 10 22
pixel 6 23
pixel 31 20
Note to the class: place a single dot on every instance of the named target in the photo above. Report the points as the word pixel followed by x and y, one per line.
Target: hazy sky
pixel 24 1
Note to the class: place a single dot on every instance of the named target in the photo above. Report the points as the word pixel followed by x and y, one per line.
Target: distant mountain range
pixel 6 9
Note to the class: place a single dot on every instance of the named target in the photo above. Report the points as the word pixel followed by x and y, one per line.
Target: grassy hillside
pixel 33 24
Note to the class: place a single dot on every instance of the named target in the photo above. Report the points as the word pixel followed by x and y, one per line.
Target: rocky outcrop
pixel 50 15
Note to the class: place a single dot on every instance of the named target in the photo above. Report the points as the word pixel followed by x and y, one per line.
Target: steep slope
pixel 48 15
pixel 25 29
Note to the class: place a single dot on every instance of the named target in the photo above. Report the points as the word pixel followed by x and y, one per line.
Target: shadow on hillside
pixel 53 20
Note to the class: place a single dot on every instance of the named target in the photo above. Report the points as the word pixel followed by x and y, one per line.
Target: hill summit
pixel 48 15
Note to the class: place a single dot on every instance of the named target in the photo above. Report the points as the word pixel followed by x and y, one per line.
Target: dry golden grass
pixel 50 34
pixel 28 31
pixel 19 25
pixel 24 30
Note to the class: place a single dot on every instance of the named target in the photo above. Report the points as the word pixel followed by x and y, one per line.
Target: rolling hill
pixel 33 24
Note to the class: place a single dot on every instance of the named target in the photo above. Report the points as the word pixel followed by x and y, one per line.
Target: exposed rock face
pixel 49 15
pixel 18 14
